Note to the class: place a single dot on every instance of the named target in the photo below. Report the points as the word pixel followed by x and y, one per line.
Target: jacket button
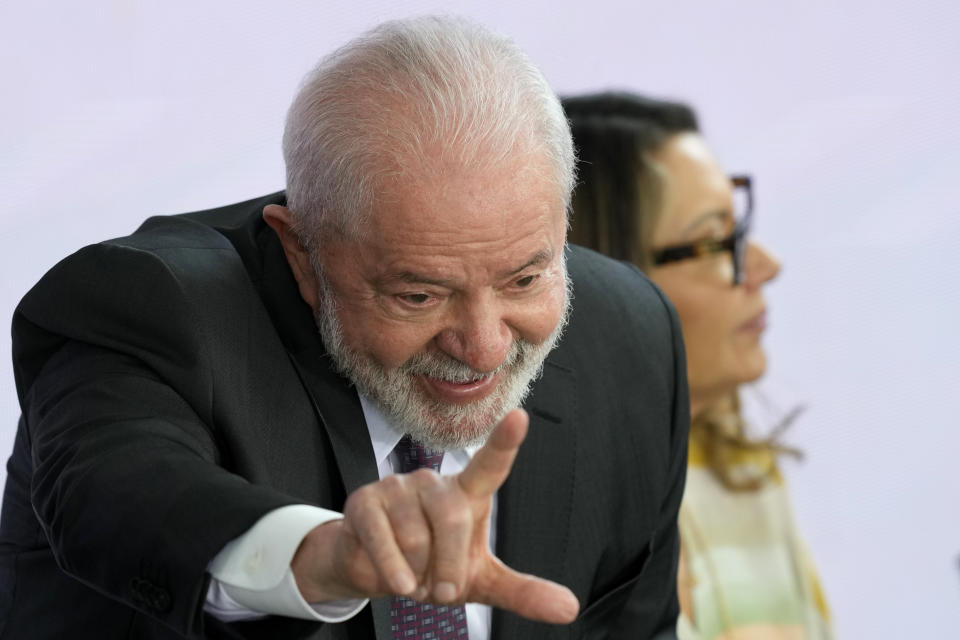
pixel 150 595
pixel 161 600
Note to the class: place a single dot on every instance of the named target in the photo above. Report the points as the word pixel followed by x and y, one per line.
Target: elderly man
pixel 194 460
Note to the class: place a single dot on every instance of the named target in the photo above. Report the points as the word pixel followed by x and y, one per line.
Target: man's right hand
pixel 424 536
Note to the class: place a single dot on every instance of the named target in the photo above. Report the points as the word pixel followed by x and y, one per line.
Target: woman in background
pixel 652 193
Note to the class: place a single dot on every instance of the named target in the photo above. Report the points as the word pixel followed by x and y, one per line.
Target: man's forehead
pixel 526 178
pixel 449 203
pixel 456 244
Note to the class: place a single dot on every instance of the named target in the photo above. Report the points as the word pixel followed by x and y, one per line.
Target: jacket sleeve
pixel 116 387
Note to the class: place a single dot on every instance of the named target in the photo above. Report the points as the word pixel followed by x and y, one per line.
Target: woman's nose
pixel 759 265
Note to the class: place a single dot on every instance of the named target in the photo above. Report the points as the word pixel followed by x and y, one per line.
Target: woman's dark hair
pixel 616 205
pixel 617 199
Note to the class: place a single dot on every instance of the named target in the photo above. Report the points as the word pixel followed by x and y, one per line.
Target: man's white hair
pixel 407 98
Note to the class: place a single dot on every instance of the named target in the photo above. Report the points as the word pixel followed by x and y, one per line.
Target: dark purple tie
pixel 410 619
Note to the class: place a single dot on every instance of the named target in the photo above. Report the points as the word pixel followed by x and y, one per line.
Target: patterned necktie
pixel 409 619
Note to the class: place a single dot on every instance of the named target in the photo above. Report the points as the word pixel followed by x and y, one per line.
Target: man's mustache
pixel 445 367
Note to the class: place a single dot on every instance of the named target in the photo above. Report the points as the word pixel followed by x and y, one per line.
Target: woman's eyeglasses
pixel 735 243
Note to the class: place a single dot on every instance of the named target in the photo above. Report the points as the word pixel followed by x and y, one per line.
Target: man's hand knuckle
pixel 414 539
pixel 425 477
pixel 362 510
pixel 456 517
pixel 393 484
pixel 364 494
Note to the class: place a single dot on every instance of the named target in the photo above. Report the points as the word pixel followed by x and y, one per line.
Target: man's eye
pixel 526 281
pixel 415 298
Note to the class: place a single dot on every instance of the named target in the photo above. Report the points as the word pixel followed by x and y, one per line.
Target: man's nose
pixel 759 265
pixel 477 335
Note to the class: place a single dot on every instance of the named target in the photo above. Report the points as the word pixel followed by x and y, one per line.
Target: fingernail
pixel 404 583
pixel 444 591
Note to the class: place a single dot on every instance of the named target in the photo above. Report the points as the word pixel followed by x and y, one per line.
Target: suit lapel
pixel 340 412
pixel 534 505
pixel 334 399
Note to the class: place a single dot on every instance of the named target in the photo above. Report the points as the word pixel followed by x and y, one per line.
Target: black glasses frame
pixel 735 243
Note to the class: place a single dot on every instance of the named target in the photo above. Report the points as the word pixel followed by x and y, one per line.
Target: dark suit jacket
pixel 174 389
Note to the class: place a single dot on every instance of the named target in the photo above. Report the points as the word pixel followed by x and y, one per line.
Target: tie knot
pixel 414 455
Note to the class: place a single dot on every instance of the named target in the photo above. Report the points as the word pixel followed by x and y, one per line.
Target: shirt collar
pixel 384 437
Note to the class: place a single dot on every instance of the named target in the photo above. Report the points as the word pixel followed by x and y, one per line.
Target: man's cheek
pixel 391 355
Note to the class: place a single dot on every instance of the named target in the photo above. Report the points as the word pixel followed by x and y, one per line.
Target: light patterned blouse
pixel 744 572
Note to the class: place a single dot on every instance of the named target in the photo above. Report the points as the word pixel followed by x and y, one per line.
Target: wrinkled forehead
pixel 467 191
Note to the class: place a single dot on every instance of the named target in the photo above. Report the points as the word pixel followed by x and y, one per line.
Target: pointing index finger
pixel 491 463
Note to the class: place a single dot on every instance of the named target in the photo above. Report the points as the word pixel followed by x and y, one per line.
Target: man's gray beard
pixel 408 408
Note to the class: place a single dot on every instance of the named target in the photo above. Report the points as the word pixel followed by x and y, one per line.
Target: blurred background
pixel 847 114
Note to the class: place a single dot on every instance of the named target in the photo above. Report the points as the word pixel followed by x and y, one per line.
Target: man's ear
pixel 281 221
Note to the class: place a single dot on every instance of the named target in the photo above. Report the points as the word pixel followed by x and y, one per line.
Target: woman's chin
pixel 751 365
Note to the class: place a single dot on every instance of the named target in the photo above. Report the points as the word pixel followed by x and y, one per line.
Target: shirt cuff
pixel 252 575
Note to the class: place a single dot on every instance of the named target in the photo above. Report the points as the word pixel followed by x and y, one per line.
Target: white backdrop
pixel 848 114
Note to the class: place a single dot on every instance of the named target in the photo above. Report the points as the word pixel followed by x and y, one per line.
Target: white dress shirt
pixel 252 576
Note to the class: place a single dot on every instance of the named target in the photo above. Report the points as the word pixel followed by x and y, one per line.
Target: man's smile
pixel 460 392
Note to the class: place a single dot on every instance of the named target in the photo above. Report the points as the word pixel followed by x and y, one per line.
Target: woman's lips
pixel 757 323
pixel 457 392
